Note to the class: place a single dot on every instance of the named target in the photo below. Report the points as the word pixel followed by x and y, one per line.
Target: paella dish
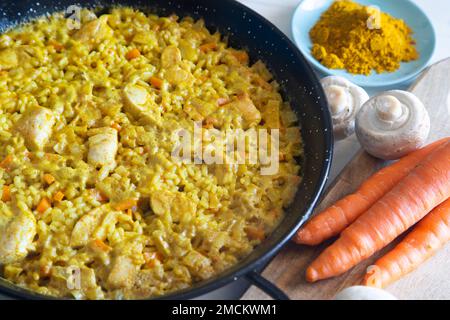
pixel 93 203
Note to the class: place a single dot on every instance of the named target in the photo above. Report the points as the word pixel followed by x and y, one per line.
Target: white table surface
pixel 279 12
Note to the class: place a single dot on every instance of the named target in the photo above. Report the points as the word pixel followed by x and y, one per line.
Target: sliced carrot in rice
pixel 156 82
pixel 208 47
pixel 6 194
pixel 43 205
pixel 48 178
pixel 133 54
pixel 241 56
pixel 58 196
pixel 6 162
pixel 100 244
pixel 116 126
pixel 56 45
pixel 125 204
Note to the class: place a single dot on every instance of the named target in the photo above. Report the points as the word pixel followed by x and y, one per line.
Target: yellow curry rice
pixel 93 205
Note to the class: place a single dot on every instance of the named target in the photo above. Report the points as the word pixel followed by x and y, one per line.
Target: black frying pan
pixel 246 29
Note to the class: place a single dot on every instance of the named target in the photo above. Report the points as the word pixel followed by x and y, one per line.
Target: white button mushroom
pixel 364 293
pixel 344 99
pixel 392 124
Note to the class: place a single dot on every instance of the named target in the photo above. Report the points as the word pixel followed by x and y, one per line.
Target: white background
pixel 279 12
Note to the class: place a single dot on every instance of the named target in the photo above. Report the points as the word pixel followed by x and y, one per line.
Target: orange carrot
pixel 336 218
pixel 56 45
pixel 58 196
pixel 43 205
pixel 102 245
pixel 156 82
pixel 116 126
pixel 48 178
pixel 132 54
pixel 240 55
pixel 421 243
pixel 6 162
pixel 427 186
pixel 208 47
pixel 6 194
pixel 125 204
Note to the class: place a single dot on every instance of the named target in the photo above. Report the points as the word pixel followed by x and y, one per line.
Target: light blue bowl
pixel 309 11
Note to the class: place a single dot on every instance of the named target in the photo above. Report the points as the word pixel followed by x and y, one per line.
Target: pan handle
pixel 265 285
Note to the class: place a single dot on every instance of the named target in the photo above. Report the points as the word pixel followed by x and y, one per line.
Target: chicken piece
pixel 176 75
pixel 107 225
pixel 202 107
pixel 148 38
pixel 16 237
pixel 123 269
pixel 86 226
pixel 260 68
pixel 245 107
pixel 36 125
pixel 139 105
pixel 94 31
pixel 103 147
pixel 175 203
pixel 72 279
pixel 271 114
pixel 198 109
pixel 170 56
pixel 161 202
pixel 122 273
pixel 199 265
pixel 136 98
pixel 89 285
pixel 8 59
pixel 63 279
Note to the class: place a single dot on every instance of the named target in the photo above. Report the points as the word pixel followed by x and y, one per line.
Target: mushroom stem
pixel 389 108
pixel 344 101
pixel 337 98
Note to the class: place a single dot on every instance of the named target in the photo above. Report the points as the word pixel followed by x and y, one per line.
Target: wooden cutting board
pixel 432 279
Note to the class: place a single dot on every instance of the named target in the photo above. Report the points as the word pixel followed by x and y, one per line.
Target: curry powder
pixel 361 39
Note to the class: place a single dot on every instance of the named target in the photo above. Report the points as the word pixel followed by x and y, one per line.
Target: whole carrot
pixel 427 186
pixel 421 243
pixel 336 218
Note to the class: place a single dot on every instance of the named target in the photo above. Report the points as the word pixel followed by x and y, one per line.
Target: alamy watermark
pixel 73 280
pixel 73 14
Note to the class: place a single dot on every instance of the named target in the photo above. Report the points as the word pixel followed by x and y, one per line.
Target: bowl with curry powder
pixel 373 43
